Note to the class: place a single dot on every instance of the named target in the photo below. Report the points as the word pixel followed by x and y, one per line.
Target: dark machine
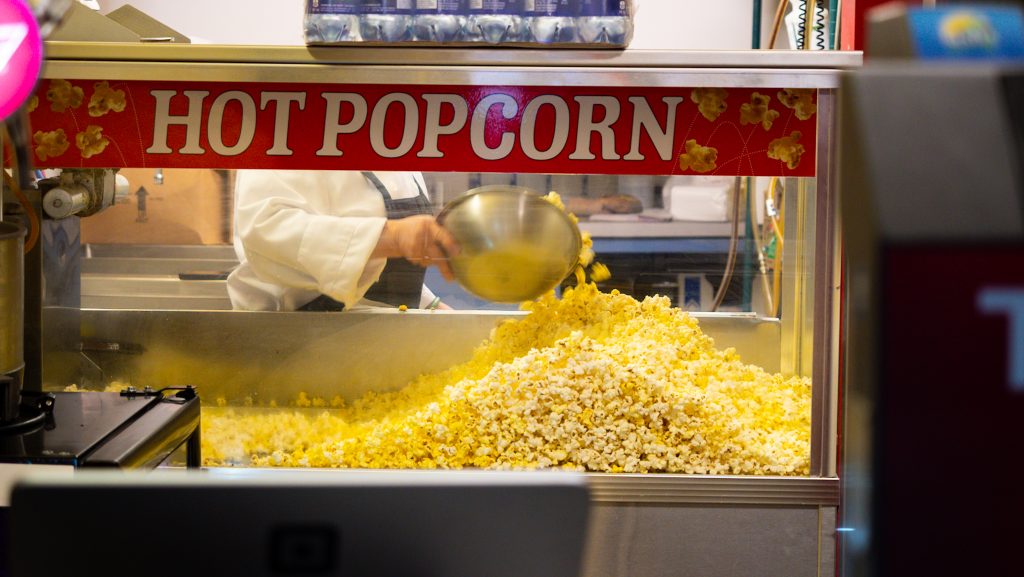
pixel 933 209
pixel 39 269
pixel 131 428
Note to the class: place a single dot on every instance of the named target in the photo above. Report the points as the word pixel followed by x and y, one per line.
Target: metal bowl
pixel 515 246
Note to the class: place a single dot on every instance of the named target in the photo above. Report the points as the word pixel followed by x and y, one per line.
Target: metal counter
pixel 275 355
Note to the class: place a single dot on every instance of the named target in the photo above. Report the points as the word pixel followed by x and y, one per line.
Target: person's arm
pixel 314 230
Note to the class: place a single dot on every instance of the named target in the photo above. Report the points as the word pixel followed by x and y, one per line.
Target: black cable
pixel 821 27
pixel 800 30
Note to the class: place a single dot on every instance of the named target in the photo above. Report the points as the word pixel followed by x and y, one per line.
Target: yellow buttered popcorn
pixel 64 95
pixel 105 99
pixel 591 381
pixel 33 103
pixel 91 141
pixel 698 158
pixel 50 144
pixel 787 149
pixel 599 272
pixel 711 102
pixel 555 199
pixel 801 100
pixel 757 111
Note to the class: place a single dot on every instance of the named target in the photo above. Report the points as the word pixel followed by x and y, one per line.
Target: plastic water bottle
pixel 332 20
pixel 440 20
pixel 495 21
pixel 386 20
pixel 604 22
pixel 551 21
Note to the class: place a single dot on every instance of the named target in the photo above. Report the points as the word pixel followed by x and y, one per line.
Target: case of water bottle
pixel 515 23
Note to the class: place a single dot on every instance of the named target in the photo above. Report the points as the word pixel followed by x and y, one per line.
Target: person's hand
pixel 420 240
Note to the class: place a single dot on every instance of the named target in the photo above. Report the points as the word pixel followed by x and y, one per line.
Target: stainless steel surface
pixel 638 540
pixel 149 276
pixel 275 355
pixel 12 300
pixel 514 245
pixel 461 56
pixel 113 291
pixel 825 290
pixel 753 69
pixel 674 229
pixel 828 538
pixel 661 489
pixel 712 489
pixel 196 253
pixel 442 75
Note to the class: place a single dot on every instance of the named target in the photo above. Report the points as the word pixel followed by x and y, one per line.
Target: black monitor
pixel 254 523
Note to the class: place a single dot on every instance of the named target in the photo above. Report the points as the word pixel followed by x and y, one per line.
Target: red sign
pixel 585 130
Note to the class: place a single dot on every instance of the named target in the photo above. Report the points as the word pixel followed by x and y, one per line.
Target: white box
pixel 702 202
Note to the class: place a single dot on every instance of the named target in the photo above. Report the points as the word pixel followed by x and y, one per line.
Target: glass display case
pixel 705 181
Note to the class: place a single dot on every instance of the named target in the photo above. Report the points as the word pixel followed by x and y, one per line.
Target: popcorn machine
pixel 582 123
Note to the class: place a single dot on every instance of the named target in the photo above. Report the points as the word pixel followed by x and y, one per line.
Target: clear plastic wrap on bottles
pixel 495 21
pixel 554 23
pixel 440 20
pixel 386 20
pixel 332 21
pixel 551 21
pixel 605 22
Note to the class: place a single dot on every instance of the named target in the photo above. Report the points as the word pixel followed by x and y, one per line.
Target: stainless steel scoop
pixel 515 245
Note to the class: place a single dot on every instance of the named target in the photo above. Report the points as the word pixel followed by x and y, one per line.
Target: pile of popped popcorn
pixel 591 381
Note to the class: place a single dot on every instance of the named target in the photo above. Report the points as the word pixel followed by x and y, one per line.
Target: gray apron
pixel 401 283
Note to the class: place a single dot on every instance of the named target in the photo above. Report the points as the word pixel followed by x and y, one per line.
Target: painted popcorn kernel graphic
pixel 105 99
pixel 66 99
pixel 757 111
pixel 91 142
pixel 63 95
pixel 710 101
pixel 698 158
pixel 787 149
pixel 50 144
pixel 801 100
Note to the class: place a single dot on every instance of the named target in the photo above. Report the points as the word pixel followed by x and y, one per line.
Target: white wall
pixel 660 24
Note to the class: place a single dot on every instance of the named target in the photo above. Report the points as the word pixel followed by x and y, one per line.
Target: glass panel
pixel 318 389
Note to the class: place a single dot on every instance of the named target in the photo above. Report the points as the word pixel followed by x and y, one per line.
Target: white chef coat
pixel 300 234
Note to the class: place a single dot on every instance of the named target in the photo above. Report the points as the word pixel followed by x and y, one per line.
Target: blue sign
pixel 967 32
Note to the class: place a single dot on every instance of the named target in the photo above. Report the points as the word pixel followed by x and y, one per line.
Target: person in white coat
pixel 329 240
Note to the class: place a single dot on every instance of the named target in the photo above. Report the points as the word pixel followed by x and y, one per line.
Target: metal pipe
pixel 12 311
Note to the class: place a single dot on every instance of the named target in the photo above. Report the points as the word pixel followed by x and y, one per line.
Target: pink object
pixel 21 54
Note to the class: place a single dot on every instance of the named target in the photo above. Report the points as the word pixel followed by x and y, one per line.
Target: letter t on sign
pixel 1011 303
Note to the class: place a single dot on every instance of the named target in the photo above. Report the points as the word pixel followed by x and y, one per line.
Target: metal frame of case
pixel 746 509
